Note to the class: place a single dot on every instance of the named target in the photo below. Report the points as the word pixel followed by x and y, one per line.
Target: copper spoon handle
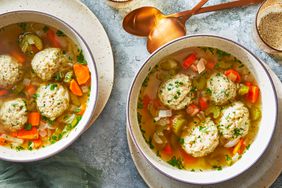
pixel 239 3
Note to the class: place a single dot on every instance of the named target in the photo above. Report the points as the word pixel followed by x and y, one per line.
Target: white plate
pixel 76 14
pixel 262 174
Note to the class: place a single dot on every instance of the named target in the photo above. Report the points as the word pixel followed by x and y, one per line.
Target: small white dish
pixel 40 17
pixel 267 125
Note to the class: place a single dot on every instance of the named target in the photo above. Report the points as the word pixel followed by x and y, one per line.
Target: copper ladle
pixel 160 28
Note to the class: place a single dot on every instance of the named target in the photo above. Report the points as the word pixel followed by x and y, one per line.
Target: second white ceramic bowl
pixel 267 125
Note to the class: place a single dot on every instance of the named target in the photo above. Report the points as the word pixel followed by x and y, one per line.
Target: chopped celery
pixel 214 110
pixel 169 64
pixel 243 90
pixel 68 76
pixel 200 83
pixel 255 113
pixel 224 65
pixel 74 100
pixel 18 88
pixel 177 123
pixel 27 41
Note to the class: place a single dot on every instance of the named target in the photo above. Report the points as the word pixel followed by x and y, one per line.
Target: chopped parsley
pixel 145 83
pixel 23 26
pixel 35 96
pixel 140 105
pixel 45 28
pixel 181 141
pixel 248 146
pixel 150 143
pixel 80 58
pixel 237 132
pixel 221 54
pixel 60 33
pixel 176 162
pixel 28 126
pixel 19 148
pixel 139 117
pixel 208 91
pixel 218 168
pixel 53 86
pixel 29 144
pixel 227 158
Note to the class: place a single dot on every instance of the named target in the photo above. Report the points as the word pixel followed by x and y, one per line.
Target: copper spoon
pixel 141 21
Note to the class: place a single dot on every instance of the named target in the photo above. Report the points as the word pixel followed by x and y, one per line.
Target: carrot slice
pixel 146 101
pixel 238 146
pixel 210 65
pixel 188 159
pixel 82 73
pixel 167 150
pixel 253 94
pixel 2 141
pixel 28 134
pixel 75 89
pixel 30 89
pixel 18 56
pixel 3 92
pixel 51 35
pixel 203 103
pixel 189 61
pixel 192 110
pixel 233 75
pixel 37 143
pixel 34 118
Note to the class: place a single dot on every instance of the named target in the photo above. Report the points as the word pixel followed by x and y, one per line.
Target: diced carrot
pixel 51 35
pixel 167 150
pixel 192 110
pixel 28 134
pixel 37 143
pixel 248 83
pixel 30 89
pixel 188 159
pixel 3 92
pixel 203 103
pixel 210 65
pixel 14 134
pixel 157 103
pixel 233 75
pixel 242 149
pixel 253 94
pixel 2 141
pixel 189 61
pixel 146 100
pixel 238 146
pixel 82 109
pixel 34 118
pixel 18 56
pixel 194 68
pixel 75 89
pixel 82 73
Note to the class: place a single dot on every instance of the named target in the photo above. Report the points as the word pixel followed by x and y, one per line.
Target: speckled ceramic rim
pixel 71 29
pixel 257 30
pixel 129 124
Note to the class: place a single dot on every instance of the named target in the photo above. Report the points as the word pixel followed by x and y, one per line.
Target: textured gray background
pixel 104 145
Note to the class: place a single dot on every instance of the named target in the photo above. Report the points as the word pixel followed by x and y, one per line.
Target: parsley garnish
pixel 27 126
pixel 45 29
pixel 80 58
pixel 53 86
pixel 176 162
pixel 60 33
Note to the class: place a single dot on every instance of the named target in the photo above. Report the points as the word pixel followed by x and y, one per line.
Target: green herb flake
pixel 23 26
pixel 53 86
pixel 60 33
pixel 176 162
pixel 181 141
pixel 221 54
pixel 140 105
pixel 19 148
pixel 28 126
pixel 45 28
pixel 218 168
pixel 145 83
pixel 80 58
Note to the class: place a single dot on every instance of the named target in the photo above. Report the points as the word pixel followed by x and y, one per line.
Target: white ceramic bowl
pixel 32 16
pixel 267 125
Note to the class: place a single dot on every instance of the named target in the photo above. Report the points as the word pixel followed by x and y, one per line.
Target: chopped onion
pixel 157 139
pixel 163 114
pixel 201 65
pixel 12 139
pixel 163 122
pixel 231 143
pixel 235 157
pixel 26 82
pixel 43 133
pixel 69 119
pixel 85 89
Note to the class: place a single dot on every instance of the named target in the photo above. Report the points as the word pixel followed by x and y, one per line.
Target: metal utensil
pixel 151 22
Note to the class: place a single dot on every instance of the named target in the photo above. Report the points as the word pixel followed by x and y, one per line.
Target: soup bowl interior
pixel 49 20
pixel 267 124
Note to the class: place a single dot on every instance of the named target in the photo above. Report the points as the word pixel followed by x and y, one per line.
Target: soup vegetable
pixel 44 85
pixel 199 109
